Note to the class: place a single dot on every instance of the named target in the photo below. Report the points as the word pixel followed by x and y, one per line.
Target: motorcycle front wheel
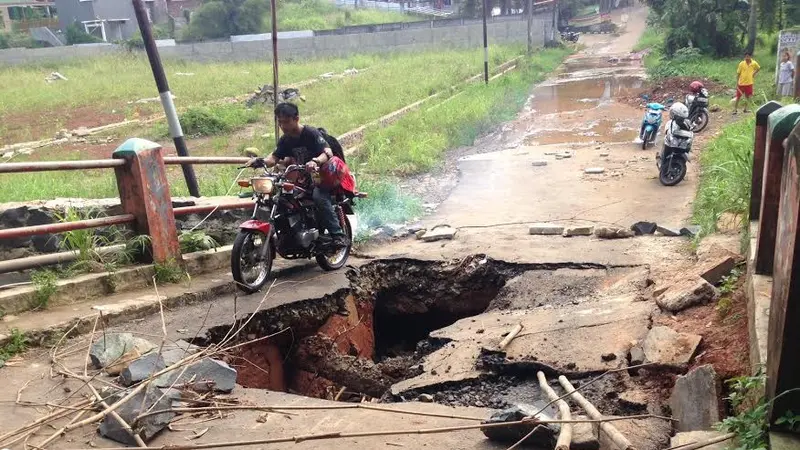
pixel 249 268
pixel 646 139
pixel 672 171
pixel 700 121
pixel 337 259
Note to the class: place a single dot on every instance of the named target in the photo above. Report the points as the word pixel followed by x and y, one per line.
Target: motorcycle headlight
pixel 262 185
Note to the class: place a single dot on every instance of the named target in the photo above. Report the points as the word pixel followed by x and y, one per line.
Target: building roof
pixel 7 3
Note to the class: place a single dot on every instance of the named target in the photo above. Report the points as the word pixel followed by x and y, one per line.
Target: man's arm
pixel 323 148
pixel 758 69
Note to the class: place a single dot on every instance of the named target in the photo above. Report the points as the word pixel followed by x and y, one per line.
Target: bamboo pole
pixel 611 431
pixel 510 337
pixel 705 443
pixel 565 436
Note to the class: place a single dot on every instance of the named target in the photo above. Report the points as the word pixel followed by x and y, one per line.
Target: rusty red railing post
pixel 759 151
pixel 779 130
pixel 144 192
pixel 783 365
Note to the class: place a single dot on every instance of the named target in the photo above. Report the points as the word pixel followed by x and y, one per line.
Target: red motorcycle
pixel 284 223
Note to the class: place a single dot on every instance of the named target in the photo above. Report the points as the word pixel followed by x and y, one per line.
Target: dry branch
pixel 618 438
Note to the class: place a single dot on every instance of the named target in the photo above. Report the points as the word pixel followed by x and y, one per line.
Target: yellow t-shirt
pixel 746 72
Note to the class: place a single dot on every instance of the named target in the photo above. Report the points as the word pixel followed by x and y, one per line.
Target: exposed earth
pixel 418 325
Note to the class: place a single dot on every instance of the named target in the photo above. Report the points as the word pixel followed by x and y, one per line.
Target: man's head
pixel 748 57
pixel 288 118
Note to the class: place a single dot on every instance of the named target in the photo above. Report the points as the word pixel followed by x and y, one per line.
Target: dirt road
pixel 419 328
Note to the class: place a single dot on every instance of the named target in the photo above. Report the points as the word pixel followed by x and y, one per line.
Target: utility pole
pixel 275 91
pixel 485 46
pixel 530 27
pixel 175 130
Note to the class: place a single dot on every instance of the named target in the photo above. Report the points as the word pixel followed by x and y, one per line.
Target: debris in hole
pixel 668 231
pixel 635 399
pixel 425 398
pixel 205 375
pixel 694 399
pixel 666 346
pixel 685 293
pixel 608 357
pixel 584 436
pixel 544 437
pixel 690 231
pixel 636 355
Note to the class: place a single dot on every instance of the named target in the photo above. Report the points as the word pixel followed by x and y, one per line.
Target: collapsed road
pixel 528 284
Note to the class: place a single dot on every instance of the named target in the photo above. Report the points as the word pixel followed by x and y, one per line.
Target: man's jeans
pixel 326 217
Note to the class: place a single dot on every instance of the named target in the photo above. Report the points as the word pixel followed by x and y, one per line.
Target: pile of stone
pixel 134 360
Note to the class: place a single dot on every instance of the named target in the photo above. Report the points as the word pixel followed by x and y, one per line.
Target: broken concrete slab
pixel 594 170
pixel 578 231
pixel 539 163
pixel 665 346
pixel 543 437
pixel 645 434
pixel 690 231
pixel 545 229
pixel 111 348
pixel 685 293
pixel 692 437
pixel 584 435
pixel 694 399
pixel 205 375
pixel 141 369
pixel 438 234
pixel 715 270
pixel 612 233
pixel 129 411
pixel 640 228
pixel 668 231
pixel 177 351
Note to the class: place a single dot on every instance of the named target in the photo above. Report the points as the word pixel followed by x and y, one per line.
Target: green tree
pixel 224 18
pixel 76 35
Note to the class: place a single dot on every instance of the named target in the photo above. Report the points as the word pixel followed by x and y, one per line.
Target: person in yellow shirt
pixel 745 77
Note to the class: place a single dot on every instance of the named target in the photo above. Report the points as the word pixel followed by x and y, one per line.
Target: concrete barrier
pixel 306 45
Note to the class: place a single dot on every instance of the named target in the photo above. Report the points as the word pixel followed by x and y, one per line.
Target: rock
pixel 205 375
pixel 545 229
pixel 578 231
pixel 641 228
pixel 112 347
pixel 608 357
pixel 438 234
pixel 544 437
pixel 8 155
pixel 147 427
pixel 176 352
pixel 141 369
pixel 539 163
pixel 604 154
pixel 415 227
pixel 594 170
pixel 691 437
pixel 644 434
pixel 425 398
pixel 715 270
pixel 584 435
pixel 685 293
pixel 667 231
pixel 634 399
pixel 694 399
pixel 666 346
pixel 636 355
pixel 81 132
pixel 690 231
pixel 612 233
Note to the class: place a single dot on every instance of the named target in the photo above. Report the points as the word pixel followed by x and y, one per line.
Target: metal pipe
pixel 174 160
pixel 32 262
pixel 275 90
pixel 199 209
pixel 485 46
pixel 47 166
pixel 166 96
pixel 52 228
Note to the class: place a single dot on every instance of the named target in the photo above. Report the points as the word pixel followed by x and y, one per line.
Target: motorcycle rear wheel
pixel 700 121
pixel 249 270
pixel 338 259
pixel 672 171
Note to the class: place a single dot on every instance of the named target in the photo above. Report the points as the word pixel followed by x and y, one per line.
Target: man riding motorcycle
pixel 303 144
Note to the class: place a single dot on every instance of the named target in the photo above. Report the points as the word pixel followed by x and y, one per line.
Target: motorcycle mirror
pixel 251 154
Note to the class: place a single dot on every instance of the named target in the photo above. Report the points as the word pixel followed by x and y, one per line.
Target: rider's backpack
pixel 334 144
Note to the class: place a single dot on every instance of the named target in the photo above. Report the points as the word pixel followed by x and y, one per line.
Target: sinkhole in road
pixel 357 342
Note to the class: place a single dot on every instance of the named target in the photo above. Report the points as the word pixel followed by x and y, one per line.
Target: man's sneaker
pixel 340 241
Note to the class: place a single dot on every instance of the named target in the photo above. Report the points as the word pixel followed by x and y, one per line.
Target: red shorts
pixel 747 91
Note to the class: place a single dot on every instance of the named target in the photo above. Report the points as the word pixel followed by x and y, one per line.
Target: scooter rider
pixel 303 144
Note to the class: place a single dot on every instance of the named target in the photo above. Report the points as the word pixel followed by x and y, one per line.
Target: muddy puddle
pixel 577 95
pixel 357 343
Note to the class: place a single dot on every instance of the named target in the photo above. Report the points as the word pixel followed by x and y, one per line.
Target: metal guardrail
pixel 140 170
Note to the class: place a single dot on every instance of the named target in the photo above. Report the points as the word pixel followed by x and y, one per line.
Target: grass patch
pixel 212 120
pixel 386 204
pixel 195 241
pixel 725 175
pixel 169 272
pixel 45 284
pixel 652 38
pixel 320 15
pixel 424 135
pixel 17 343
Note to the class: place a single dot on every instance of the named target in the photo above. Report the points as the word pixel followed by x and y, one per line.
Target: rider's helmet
pixel 696 87
pixel 678 111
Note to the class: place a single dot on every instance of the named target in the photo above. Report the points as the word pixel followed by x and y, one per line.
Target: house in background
pixel 21 15
pixel 114 20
